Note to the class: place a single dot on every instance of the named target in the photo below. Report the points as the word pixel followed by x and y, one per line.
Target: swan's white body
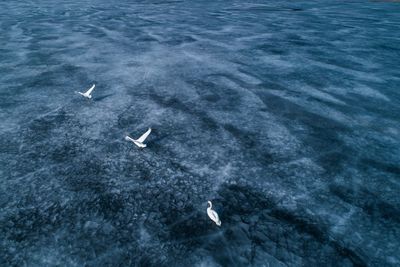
pixel 140 140
pixel 213 214
pixel 88 93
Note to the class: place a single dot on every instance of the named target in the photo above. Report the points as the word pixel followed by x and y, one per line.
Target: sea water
pixel 285 114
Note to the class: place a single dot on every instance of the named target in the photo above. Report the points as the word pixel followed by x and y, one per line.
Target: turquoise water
pixel 284 114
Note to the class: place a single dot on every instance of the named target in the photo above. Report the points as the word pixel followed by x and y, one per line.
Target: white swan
pixel 140 140
pixel 213 214
pixel 87 94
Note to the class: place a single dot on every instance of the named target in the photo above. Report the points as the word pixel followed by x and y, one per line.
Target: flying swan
pixel 87 94
pixel 140 140
pixel 213 214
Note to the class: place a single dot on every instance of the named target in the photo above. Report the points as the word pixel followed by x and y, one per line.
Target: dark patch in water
pixel 369 202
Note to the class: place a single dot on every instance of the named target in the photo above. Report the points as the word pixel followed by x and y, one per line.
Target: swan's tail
pixel 139 144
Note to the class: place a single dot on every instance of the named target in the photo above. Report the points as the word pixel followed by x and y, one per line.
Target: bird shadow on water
pixel 102 97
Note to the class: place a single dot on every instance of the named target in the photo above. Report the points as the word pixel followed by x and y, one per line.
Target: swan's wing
pixel 90 90
pixel 144 136
pixel 213 215
pixel 128 138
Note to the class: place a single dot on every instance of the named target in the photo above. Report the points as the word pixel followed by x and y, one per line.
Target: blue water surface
pixel 286 114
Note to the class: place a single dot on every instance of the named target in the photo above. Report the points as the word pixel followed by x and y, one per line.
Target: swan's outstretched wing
pixel 144 136
pixel 128 138
pixel 88 92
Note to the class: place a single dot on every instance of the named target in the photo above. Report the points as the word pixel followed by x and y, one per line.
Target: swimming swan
pixel 140 140
pixel 87 94
pixel 213 214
